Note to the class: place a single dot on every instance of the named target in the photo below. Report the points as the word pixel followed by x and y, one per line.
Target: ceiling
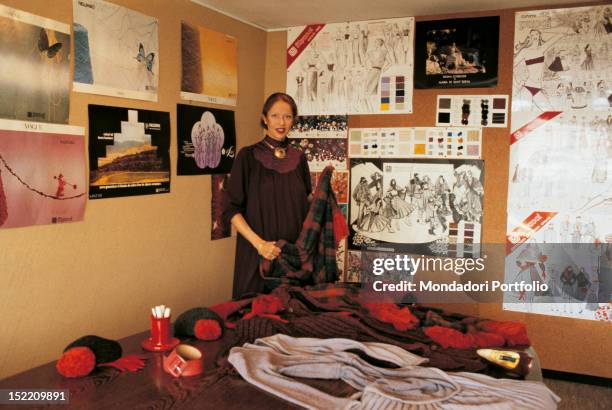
pixel 279 14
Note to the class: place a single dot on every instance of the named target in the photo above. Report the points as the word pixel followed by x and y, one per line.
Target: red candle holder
pixel 161 335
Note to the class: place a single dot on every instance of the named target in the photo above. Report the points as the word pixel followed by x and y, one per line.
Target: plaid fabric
pixel 312 259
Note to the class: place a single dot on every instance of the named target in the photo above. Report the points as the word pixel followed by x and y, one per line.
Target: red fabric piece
pixel 76 362
pixel 515 333
pixel 266 306
pixel 401 319
pixel 226 309
pixel 130 363
pixel 484 339
pixel 340 226
pixel 207 329
pixel 447 337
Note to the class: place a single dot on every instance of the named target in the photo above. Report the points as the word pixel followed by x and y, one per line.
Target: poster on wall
pixel 206 140
pixel 415 142
pixel 34 68
pixel 457 53
pixel 320 126
pixel 472 110
pixel 128 152
pixel 561 119
pixel 209 61
pixel 321 152
pixel 362 67
pixel 431 207
pixel 116 51
pixel 42 174
pixel 219 228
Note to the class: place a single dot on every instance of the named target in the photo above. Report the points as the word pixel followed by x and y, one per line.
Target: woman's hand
pixel 268 250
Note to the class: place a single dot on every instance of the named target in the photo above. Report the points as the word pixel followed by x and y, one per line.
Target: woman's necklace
pixel 279 152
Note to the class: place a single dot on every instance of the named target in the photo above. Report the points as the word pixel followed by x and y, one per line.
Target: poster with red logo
pixel 559 229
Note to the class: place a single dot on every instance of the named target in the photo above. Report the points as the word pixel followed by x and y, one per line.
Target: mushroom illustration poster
pixel 560 223
pixel 128 152
pixel 431 207
pixel 360 67
pixel 116 51
pixel 42 173
pixel 34 68
pixel 209 65
pixel 206 140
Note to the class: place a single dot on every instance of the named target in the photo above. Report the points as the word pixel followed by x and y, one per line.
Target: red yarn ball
pixel 207 329
pixel 76 362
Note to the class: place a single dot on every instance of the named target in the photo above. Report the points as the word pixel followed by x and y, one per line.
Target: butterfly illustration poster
pixel 209 65
pixel 206 140
pixel 34 68
pixel 128 152
pixel 42 173
pixel 116 51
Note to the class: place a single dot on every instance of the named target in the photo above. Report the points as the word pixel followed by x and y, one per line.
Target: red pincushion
pixel 76 362
pixel 207 329
pixel 515 333
pixel 447 337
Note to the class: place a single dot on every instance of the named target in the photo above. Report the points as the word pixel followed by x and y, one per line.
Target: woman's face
pixel 279 120
pixel 535 37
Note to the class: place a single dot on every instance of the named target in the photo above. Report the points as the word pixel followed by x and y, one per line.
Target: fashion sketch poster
pixel 431 207
pixel 362 67
pixel 561 119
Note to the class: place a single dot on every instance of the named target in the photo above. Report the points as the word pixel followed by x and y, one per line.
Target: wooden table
pixel 152 388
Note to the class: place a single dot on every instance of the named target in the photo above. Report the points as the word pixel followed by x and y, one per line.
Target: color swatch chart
pixel 392 93
pixel 415 142
pixel 472 111
pixel 464 239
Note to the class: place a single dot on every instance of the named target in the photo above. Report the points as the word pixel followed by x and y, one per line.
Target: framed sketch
pixel 457 53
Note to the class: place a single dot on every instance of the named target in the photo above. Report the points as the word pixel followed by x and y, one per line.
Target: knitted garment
pixel 385 376
pixel 312 259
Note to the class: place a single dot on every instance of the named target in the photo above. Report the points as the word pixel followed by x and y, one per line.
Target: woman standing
pixel 268 189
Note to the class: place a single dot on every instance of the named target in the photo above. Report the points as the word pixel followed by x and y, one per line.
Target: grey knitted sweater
pixel 275 363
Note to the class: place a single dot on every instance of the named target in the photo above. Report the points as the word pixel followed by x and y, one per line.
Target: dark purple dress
pixel 272 195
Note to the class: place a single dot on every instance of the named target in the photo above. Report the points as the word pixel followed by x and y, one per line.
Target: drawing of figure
pixel 373 220
pixel 61 184
pixel 529 66
pixel 311 65
pixel 474 194
pixel 401 209
pixel 442 190
pixel 355 45
pixel 339 47
pixel 361 195
pixel 588 64
pixel 299 94
pixel 363 43
pixel 568 279
pixel 378 61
